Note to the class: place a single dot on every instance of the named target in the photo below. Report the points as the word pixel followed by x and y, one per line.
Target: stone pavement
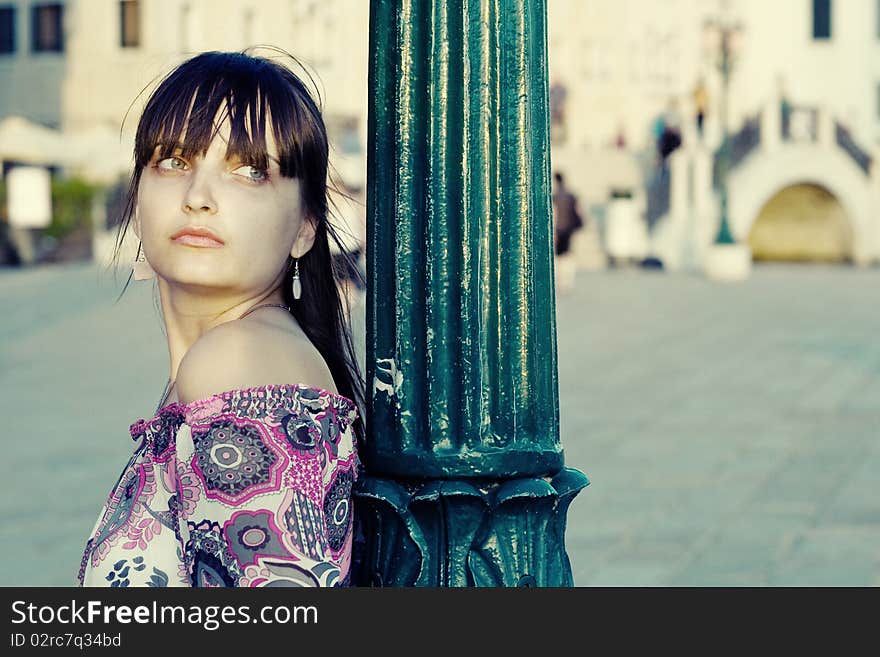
pixel 730 432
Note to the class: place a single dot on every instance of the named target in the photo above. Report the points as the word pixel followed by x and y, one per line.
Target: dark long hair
pixel 246 86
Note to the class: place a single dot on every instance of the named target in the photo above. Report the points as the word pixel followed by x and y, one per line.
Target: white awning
pixel 97 154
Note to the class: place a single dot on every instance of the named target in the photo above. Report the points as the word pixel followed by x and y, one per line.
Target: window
pixel 130 23
pixel 46 28
pixel 821 19
pixel 7 30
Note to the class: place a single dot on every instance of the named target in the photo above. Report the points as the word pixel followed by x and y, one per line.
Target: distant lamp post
pixel 725 258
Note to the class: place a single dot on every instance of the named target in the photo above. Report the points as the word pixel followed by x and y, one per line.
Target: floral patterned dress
pixel 244 488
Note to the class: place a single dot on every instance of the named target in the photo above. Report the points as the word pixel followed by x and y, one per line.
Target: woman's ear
pixel 304 240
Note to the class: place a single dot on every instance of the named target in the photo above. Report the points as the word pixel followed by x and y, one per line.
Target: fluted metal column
pixel 466 481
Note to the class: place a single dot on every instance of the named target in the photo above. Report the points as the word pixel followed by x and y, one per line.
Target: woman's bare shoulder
pixel 242 354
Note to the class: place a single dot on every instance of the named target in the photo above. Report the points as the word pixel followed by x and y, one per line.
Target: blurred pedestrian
pixel 670 137
pixel 658 127
pixel 566 221
pixel 701 105
pixel 620 137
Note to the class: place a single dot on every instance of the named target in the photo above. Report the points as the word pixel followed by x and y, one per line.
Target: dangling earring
pixel 141 268
pixel 297 286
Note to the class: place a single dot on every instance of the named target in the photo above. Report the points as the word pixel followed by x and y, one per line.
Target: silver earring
pixel 297 286
pixel 141 268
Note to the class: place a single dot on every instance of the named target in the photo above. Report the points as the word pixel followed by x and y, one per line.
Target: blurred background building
pixel 803 113
pixel 636 95
pixel 71 71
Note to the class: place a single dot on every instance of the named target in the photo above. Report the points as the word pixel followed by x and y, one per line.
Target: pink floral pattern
pixel 248 487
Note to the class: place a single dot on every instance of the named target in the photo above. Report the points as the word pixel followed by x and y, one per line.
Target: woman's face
pixel 255 216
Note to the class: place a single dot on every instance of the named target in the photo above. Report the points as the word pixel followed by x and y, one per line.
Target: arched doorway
pixel 802 223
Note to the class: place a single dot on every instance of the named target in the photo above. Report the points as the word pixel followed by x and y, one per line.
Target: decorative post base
pixel 728 262
pixel 455 532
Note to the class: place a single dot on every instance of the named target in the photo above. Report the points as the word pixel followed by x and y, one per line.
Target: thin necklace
pixel 248 312
pixel 265 305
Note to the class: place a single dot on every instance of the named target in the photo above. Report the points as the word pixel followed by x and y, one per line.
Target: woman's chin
pixel 194 275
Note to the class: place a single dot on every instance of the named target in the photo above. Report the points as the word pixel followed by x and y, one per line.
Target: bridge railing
pixel 787 123
pixel 742 143
pixel 845 140
pixel 746 140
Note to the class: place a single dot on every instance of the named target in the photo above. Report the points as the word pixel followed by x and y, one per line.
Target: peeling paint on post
pixel 467 485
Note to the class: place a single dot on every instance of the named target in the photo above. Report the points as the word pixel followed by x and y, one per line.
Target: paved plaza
pixel 730 432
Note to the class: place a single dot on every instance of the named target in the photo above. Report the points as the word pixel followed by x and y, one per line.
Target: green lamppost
pixel 466 484
pixel 726 33
pixel 725 259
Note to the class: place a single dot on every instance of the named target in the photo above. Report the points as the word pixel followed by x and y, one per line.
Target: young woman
pixel 243 475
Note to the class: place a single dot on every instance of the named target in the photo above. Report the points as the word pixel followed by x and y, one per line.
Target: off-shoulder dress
pixel 248 487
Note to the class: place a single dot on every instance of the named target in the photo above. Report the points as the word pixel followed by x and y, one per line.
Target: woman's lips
pixel 198 240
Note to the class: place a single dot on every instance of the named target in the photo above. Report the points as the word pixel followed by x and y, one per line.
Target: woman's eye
pixel 171 164
pixel 251 173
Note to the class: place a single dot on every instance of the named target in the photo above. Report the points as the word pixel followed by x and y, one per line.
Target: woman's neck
pixel 189 313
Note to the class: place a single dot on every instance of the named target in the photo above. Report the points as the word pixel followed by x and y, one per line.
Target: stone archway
pixel 803 222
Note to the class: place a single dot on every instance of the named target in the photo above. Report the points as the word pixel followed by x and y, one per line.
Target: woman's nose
pixel 198 196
